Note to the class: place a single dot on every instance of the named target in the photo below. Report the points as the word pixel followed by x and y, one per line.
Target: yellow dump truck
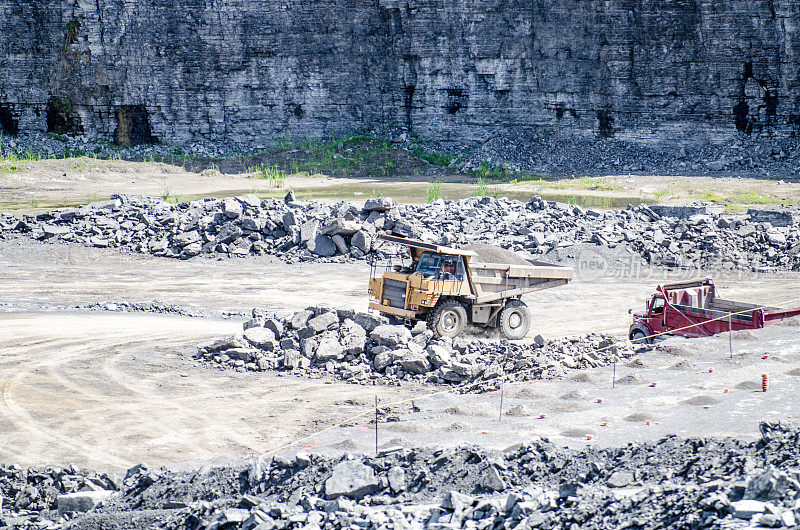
pixel 450 288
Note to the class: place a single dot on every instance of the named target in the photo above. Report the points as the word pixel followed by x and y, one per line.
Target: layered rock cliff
pixel 458 71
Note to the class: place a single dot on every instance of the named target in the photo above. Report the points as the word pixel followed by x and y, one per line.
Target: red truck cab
pixel 693 309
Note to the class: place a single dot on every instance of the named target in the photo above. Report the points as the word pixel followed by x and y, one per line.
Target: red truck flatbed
pixel 693 309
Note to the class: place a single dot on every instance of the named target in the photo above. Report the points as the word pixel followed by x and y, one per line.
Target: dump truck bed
pixel 696 302
pixel 495 281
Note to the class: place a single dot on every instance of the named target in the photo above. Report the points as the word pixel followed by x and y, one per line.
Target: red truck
pixel 692 309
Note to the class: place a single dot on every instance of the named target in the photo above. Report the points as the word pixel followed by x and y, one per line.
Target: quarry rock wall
pixel 455 71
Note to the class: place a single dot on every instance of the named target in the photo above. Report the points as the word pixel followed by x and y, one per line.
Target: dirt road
pixel 108 390
pixel 36 276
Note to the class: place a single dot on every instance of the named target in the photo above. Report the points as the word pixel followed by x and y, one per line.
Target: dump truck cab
pixel 435 272
pixel 449 289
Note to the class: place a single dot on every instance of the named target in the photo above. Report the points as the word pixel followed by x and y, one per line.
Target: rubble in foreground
pixel 670 483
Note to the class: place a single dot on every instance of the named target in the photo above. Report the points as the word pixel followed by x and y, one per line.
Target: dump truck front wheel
pixel 448 319
pixel 515 320
pixel 639 336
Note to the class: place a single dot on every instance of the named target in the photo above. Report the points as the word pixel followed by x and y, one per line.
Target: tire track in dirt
pixel 109 390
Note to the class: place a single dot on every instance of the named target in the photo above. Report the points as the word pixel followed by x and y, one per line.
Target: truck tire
pixel 448 319
pixel 638 336
pixel 515 320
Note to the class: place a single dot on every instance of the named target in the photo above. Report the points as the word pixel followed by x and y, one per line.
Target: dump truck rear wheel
pixel 515 320
pixel 448 319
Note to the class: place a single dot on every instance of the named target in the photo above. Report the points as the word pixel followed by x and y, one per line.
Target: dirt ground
pixel 37 276
pixel 46 184
pixel 108 390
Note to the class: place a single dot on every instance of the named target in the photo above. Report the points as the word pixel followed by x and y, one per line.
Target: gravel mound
pixel 693 236
pixel 365 349
pixel 494 254
pixel 670 483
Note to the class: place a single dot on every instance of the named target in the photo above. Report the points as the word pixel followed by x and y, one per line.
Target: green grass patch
pixel 579 183
pixel 275 175
pixel 342 156
pixel 436 158
pixel 481 188
pixel 741 200
pixel 491 171
pixel 433 192
pixel 13 160
pixel 167 196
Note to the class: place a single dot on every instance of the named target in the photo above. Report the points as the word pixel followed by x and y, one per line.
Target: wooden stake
pixel 502 392
pixel 614 376
pixel 730 333
pixel 376 424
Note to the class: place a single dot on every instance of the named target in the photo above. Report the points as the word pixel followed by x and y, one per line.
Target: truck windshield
pixel 658 306
pixel 441 266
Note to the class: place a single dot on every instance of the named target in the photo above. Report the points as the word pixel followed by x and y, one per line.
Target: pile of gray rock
pixel 699 236
pixel 162 308
pixel 44 498
pixel 564 155
pixel 233 227
pixel 673 482
pixel 366 349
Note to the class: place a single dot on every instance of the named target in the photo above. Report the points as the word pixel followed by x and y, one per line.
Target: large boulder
pixel 415 363
pixel 378 204
pixel 322 246
pixel 773 217
pixel 747 508
pixel 353 479
pixel 228 232
pixel 382 359
pixel 340 243
pixel 327 320
pixel 352 336
pixel 362 241
pixel 771 484
pixel 232 208
pixel 340 227
pixel 685 211
pixel 438 355
pixel 309 230
pixel 367 321
pixel 82 501
pixel 275 326
pixel 391 336
pixel 300 319
pixel 620 479
pixel 329 348
pixel 260 337
pixel 254 224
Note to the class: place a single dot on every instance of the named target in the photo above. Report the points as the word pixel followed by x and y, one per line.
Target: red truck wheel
pixel 638 336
